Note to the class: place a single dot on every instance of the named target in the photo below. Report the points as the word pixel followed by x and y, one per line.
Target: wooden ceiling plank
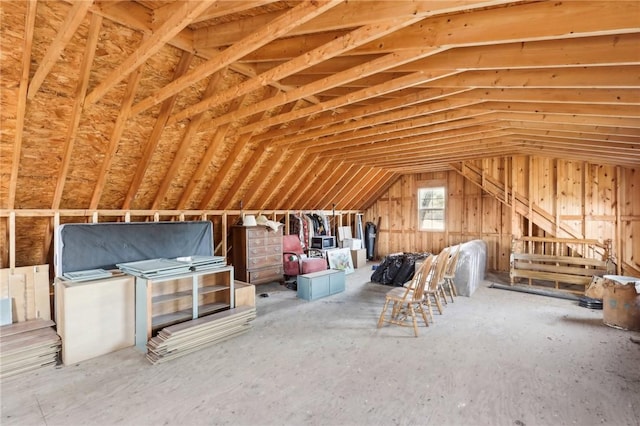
pixel 21 108
pixel 156 133
pixel 78 104
pixel 277 28
pixel 116 134
pixel 181 15
pixel 74 18
pixel 183 149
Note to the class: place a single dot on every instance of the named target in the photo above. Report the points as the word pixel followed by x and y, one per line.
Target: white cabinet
pixel 164 301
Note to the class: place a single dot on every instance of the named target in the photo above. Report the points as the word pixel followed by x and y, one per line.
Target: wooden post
pixel 12 241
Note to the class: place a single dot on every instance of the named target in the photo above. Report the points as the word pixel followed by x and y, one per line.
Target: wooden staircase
pixel 505 194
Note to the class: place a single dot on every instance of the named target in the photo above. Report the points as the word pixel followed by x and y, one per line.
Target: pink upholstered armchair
pixel 296 262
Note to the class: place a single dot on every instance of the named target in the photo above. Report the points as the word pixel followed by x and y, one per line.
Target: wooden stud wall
pixel 594 201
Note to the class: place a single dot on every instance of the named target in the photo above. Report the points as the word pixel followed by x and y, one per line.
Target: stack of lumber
pixel 190 336
pixel 27 345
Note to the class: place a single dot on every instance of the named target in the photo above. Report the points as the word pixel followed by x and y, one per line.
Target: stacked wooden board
pixel 27 346
pixel 189 336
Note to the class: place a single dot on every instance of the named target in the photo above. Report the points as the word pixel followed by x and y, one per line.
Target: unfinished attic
pixel 413 126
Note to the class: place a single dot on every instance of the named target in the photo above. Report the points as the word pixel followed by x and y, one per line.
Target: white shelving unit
pixel 167 300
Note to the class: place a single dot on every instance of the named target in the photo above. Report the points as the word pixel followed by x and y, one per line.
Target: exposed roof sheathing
pixel 301 104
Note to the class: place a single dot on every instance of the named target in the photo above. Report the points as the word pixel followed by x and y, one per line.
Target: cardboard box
pixel 359 258
pixel 244 293
pixel 352 243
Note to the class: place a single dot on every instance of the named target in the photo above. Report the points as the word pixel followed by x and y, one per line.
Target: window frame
pixel 431 185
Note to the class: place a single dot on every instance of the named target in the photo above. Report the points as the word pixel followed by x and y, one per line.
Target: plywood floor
pixel 496 358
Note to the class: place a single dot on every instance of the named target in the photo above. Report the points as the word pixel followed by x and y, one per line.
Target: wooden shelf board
pixel 166 320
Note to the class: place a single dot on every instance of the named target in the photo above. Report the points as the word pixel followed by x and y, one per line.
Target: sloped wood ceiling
pixel 301 104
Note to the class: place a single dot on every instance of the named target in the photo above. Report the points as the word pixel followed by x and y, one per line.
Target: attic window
pixel 431 208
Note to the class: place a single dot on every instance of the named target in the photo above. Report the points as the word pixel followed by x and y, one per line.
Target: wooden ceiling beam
pixel 601 77
pixel 346 193
pixel 233 158
pixel 313 139
pixel 78 104
pixel 339 177
pixel 594 139
pixel 330 49
pixel 116 134
pixel 555 118
pixel 629 111
pixel 181 153
pixel 402 149
pixel 225 8
pixel 213 147
pixel 21 107
pixel 180 14
pixel 618 49
pixel 373 185
pixel 74 18
pixel 227 169
pixel 553 150
pixel 610 96
pixel 347 15
pixel 345 186
pixel 607 129
pixel 421 96
pixel 366 93
pixel 296 180
pixel 156 133
pixel 383 185
pixel 613 148
pixel 310 181
pixel 276 28
pixel 518 23
pixel 266 176
pixel 525 22
pixel 278 183
pixel 395 143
